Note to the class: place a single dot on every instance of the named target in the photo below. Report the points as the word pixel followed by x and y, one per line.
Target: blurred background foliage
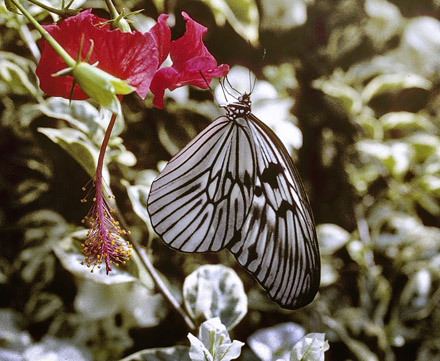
pixel 353 88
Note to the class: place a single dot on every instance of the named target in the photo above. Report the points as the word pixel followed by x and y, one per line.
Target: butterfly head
pixel 240 108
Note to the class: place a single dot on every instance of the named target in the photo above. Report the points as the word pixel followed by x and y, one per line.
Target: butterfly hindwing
pixel 278 242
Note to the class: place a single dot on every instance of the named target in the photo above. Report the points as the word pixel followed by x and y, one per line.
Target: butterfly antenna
pixel 253 85
pixel 210 89
pixel 206 81
pixel 225 88
pixel 230 85
pixel 222 84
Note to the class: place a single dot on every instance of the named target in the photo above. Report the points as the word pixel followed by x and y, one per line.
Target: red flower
pixel 190 58
pixel 131 56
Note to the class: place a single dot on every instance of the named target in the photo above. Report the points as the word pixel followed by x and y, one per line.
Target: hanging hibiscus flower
pixel 111 63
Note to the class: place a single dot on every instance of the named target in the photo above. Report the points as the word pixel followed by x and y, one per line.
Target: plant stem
pixel 112 9
pixel 60 12
pixel 161 285
pixel 52 42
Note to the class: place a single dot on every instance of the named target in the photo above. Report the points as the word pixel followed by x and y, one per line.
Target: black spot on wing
pixel 284 207
pixel 271 173
pixel 258 191
pixel 247 181
pixel 236 238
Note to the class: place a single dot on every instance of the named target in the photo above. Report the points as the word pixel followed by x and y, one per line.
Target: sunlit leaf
pixel 392 83
pixel 405 122
pixel 310 348
pixel 50 347
pixel 215 291
pixel 241 14
pixel 79 147
pixel 283 15
pixel 331 237
pixel 384 22
pixel 349 98
pixel 276 342
pixel 79 114
pixel 14 71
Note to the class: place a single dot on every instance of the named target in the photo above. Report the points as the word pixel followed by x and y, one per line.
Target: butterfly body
pixel 235 186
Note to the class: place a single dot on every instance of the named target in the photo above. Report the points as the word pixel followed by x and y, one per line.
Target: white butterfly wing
pixel 278 242
pixel 203 195
pixel 235 186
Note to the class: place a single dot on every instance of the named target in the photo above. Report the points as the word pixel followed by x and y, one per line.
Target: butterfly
pixel 235 186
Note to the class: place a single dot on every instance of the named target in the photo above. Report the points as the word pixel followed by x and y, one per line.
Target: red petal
pixel 162 34
pixel 129 56
pixel 190 45
pixel 165 78
pixel 190 58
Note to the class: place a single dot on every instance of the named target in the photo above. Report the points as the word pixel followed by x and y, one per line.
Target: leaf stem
pixel 112 9
pixel 65 12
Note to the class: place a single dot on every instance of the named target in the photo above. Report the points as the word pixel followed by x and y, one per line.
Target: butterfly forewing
pixel 204 193
pixel 235 186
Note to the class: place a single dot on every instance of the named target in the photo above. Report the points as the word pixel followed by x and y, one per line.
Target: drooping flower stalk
pixel 104 241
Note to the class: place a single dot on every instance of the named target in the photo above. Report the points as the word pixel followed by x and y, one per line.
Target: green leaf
pixel 213 343
pixel 405 122
pixel 79 114
pixel 14 71
pixel 242 15
pixel 310 348
pixel 79 147
pixel 175 353
pixel 29 190
pixel 331 238
pixel 138 306
pixel 431 184
pixel 392 83
pixel 275 342
pixel 329 273
pixel 283 15
pixel 70 256
pixel 138 195
pixel 357 250
pixel 11 7
pixel 126 158
pixel 215 291
pixel 42 229
pixel 12 335
pixel 395 156
pixel 384 21
pixel 362 351
pixel 5 270
pixel 349 98
pixel 424 145
pixel 51 348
